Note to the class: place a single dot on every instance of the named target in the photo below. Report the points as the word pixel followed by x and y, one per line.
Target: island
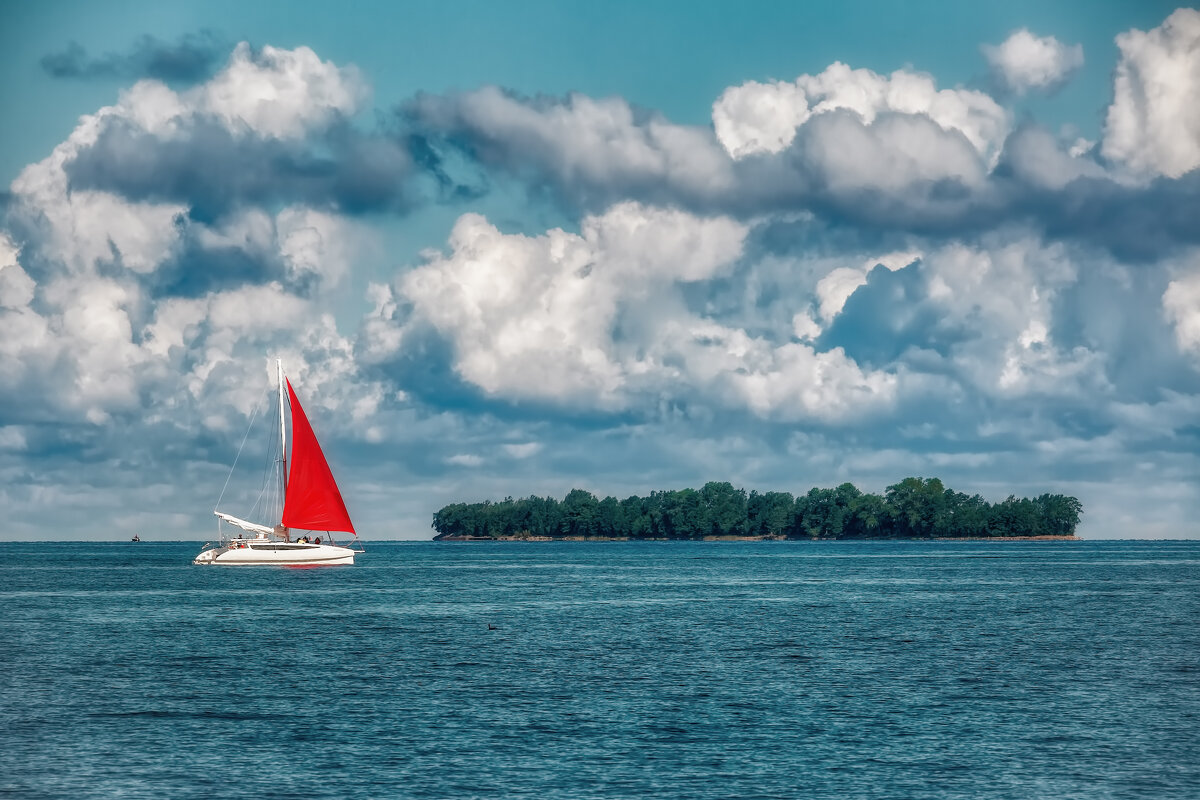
pixel 914 508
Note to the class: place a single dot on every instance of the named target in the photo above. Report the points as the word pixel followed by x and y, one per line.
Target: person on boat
pixel 317 540
pixel 302 540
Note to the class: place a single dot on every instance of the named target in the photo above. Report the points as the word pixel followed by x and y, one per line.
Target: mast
pixel 282 441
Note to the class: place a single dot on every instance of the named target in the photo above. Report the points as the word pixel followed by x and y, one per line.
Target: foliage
pixel 914 508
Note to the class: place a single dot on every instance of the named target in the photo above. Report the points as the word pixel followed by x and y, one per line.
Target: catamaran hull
pixel 276 555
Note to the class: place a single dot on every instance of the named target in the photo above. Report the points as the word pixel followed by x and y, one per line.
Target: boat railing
pixel 229 541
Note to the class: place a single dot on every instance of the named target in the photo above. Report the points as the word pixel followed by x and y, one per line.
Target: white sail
pixel 253 527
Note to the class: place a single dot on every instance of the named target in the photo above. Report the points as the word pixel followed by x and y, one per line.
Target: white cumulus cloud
pixel 759 117
pixel 763 117
pixel 1025 62
pixel 16 287
pixel 275 93
pixel 835 288
pixel 598 320
pixel 280 93
pixel 1153 124
pixel 533 316
pixel 1181 302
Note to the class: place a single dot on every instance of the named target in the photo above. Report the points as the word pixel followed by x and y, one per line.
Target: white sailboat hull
pixel 256 553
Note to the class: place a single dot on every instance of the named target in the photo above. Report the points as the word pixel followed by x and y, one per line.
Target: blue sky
pixel 516 248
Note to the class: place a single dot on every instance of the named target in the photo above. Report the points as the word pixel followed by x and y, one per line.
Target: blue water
pixel 675 670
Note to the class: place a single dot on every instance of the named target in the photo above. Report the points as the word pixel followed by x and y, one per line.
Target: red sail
pixel 313 500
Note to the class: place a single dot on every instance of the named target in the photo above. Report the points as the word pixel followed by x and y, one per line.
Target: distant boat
pixel 136 538
pixel 307 499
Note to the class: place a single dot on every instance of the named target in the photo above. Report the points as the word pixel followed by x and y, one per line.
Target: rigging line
pixel 269 503
pixel 267 490
pixel 253 414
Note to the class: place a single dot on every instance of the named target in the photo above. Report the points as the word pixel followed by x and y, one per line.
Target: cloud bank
pixel 848 275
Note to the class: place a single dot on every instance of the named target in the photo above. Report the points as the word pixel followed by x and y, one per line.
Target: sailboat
pixel 310 503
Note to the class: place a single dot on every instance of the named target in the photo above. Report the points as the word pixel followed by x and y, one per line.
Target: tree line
pixel 914 508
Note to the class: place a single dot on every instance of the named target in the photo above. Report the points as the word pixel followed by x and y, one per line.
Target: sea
pixel 981 670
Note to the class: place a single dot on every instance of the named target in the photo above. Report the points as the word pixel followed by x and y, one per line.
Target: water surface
pixel 589 670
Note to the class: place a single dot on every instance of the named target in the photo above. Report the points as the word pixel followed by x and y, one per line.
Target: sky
pixel 507 249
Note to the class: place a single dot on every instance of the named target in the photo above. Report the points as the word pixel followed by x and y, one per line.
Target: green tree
pixel 608 518
pixel 769 514
pixel 683 515
pixel 868 516
pixel 579 511
pixel 917 508
pixel 826 513
pixel 724 509
pixel 912 508
pixel 1059 514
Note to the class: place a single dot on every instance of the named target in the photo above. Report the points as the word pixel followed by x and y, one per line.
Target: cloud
pixel 1141 222
pixel 895 154
pixel 192 58
pixel 1181 303
pixel 523 450
pixel 856 148
pixel 1039 161
pixel 763 117
pixel 564 322
pixel 835 288
pixel 1153 124
pixel 534 317
pixel 598 321
pixel 12 438
pixel 888 160
pixel 759 117
pixel 600 150
pixel 595 153
pixel 270 128
pixel 974 323
pixel 85 336
pixel 16 287
pixel 278 93
pixel 78 359
pixel 1024 62
pixel 213 171
pixel 114 290
pixel 318 244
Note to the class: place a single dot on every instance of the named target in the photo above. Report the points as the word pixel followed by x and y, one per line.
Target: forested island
pixel 914 508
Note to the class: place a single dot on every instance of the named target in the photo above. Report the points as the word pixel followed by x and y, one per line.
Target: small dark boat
pixel 136 538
